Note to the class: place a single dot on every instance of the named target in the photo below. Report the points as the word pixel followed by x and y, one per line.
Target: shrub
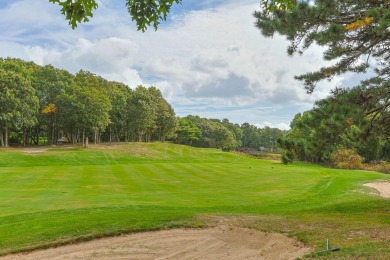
pixel 346 159
pixel 287 157
pixel 381 166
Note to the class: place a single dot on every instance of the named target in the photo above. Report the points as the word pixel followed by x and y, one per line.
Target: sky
pixel 208 59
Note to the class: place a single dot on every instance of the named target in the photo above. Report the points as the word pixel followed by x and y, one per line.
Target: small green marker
pixel 328 249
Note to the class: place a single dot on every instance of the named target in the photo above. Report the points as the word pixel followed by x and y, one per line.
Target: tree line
pixel 43 101
pixel 346 120
pixel 203 132
pixel 351 123
pixel 354 35
pixel 44 104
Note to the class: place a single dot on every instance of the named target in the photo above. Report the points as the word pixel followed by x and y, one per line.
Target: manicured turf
pixel 64 195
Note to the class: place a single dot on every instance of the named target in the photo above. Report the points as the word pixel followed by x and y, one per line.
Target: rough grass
pixel 65 195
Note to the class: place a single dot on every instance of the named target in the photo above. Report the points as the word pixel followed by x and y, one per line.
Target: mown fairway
pixel 65 195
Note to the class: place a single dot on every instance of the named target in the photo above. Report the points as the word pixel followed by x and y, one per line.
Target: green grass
pixel 64 195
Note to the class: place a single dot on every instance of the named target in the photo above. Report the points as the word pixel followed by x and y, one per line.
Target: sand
pixel 34 149
pixel 221 242
pixel 383 188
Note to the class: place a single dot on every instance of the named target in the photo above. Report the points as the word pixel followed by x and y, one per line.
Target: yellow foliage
pixel 359 23
pixel 51 108
pixel 349 121
pixel 346 159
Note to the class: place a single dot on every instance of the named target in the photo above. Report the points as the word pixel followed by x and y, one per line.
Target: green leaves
pixel 270 6
pixel 187 131
pixel 356 119
pixel 353 32
pixel 76 11
pixel 144 12
pixel 18 100
pixel 356 36
pixel 149 12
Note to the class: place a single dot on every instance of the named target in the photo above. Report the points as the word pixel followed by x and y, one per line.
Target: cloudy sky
pixel 208 59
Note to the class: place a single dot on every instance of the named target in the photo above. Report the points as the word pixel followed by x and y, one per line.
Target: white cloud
pixel 282 126
pixel 211 61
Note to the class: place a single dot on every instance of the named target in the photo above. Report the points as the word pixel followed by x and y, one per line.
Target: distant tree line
pixel 46 105
pixel 202 132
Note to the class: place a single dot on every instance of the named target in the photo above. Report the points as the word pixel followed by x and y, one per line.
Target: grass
pixel 63 195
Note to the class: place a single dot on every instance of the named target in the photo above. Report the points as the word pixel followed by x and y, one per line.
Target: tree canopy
pixel 355 34
pixel 336 123
pixel 46 105
pixel 356 37
pixel 144 12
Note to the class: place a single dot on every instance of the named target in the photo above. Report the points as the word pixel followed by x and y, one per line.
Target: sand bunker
pixel 222 242
pixel 382 187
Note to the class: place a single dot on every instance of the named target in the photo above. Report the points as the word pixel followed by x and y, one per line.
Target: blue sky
pixel 208 59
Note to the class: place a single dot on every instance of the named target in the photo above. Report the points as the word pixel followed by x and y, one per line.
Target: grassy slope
pixel 64 195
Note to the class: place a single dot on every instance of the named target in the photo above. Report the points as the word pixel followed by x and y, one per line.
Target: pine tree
pixel 356 35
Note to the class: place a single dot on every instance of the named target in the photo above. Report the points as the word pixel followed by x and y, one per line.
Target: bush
pixel 346 159
pixel 381 166
pixel 287 157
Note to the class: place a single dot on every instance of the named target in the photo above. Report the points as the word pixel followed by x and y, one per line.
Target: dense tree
pixel 187 132
pixel 335 123
pixel 18 101
pixel 356 37
pixel 44 103
pixel 48 83
pixel 165 123
pixel 355 34
pixel 118 94
pixel 90 90
pixel 269 136
pixel 142 110
pixel 251 136
pixel 83 109
pixel 227 136
pixel 235 129
pixel 215 135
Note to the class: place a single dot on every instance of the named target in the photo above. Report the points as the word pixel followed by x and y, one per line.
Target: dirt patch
pixel 221 242
pixel 35 150
pixel 383 188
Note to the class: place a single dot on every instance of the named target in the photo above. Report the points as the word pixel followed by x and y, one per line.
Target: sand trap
pixel 382 187
pixel 222 242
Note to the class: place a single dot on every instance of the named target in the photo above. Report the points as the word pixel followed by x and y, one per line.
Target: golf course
pixel 52 196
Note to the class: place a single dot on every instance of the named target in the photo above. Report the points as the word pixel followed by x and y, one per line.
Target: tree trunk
pixel 6 137
pixel 110 134
pixel 86 142
pixel 37 134
pixel 24 137
pixel 52 133
pixel 1 138
pixel 56 136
